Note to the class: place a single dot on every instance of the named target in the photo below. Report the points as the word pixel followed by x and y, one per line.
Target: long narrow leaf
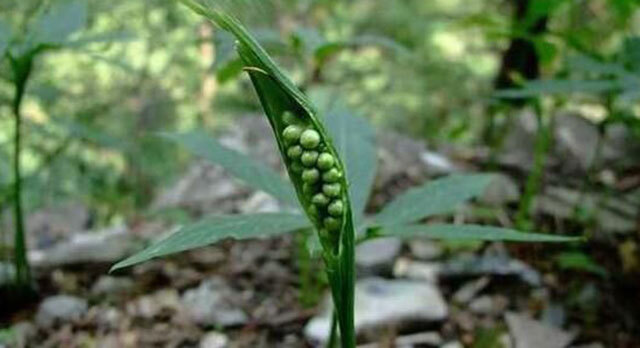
pixel 471 232
pixel 5 38
pixel 436 197
pixel 354 138
pixel 211 230
pixel 241 166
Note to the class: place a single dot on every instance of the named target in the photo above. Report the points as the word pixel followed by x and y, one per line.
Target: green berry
pixel 320 200
pixel 310 139
pixel 331 223
pixel 296 167
pixel 332 175
pixel 331 190
pixel 294 152
pixel 309 158
pixel 325 161
pixel 289 118
pixel 310 175
pixel 336 208
pixel 291 134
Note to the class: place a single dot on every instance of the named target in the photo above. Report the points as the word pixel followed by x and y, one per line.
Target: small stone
pixel 309 158
pixel 527 332
pixel 381 302
pixel 108 285
pixel 332 190
pixel 501 190
pixel 470 289
pixel 208 304
pixel 291 134
pixel 407 268
pixel 332 175
pixel 310 176
pixel 294 152
pixel 214 339
pixel 377 256
pixel 60 309
pixel 325 161
pixel 310 139
pixel 425 249
pixel 336 208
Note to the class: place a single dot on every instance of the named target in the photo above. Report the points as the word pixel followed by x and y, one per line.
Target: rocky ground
pixel 410 293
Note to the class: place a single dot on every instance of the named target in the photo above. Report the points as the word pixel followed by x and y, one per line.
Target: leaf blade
pixel 211 230
pixel 241 166
pixel 354 138
pixel 435 197
pixel 472 232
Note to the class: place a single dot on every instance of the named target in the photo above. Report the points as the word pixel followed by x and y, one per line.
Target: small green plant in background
pixel 52 27
pixel 330 161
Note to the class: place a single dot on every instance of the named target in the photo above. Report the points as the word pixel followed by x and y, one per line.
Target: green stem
pixel 333 334
pixel 21 69
pixel 523 220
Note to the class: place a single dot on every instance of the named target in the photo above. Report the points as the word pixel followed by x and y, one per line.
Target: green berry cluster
pixel 309 157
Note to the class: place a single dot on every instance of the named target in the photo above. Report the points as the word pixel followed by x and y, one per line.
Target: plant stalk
pixel 21 67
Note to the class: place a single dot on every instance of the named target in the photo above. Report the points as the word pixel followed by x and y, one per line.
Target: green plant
pixel 51 28
pixel 331 164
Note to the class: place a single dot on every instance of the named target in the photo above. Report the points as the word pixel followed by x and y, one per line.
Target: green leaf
pixel 574 260
pixel 470 232
pixel 251 172
pixel 354 138
pixel 211 230
pixel 536 88
pixel 586 64
pixel 435 197
pixel 62 19
pixel 5 38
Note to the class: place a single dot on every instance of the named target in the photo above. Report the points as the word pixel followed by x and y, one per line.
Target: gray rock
pixel 203 189
pixel 425 249
pixel 437 163
pixel 206 188
pixel 381 302
pixel 493 261
pixel 153 305
pixel 407 268
pixel 260 202
pixel 377 256
pixel 108 285
pixel 489 305
pixel 210 304
pixel 23 333
pixel 530 333
pixel 104 246
pixel 576 140
pixel 610 214
pixel 501 190
pixel 60 309
pixel 470 289
pixel 452 344
pixel 49 225
pixel 214 339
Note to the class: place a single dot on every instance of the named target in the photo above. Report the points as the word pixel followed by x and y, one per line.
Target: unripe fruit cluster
pixel 308 157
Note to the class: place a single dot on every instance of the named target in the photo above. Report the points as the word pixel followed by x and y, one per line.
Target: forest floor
pixel 411 293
